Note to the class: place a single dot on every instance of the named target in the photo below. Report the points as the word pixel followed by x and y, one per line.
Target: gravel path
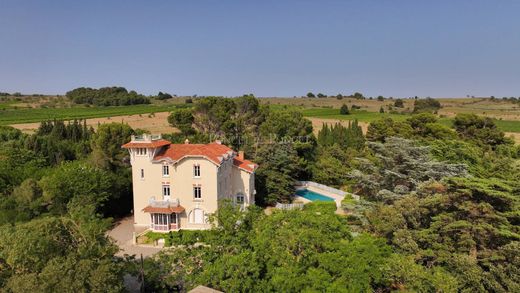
pixel 122 233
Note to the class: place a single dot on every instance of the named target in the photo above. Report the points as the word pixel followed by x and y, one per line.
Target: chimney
pixel 187 141
pixel 218 141
pixel 241 155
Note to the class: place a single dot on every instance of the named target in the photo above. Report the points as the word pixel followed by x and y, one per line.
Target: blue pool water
pixel 311 195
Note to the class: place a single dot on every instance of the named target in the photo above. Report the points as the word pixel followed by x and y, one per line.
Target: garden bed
pixel 182 237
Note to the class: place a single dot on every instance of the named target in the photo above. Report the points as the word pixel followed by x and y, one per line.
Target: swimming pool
pixel 313 196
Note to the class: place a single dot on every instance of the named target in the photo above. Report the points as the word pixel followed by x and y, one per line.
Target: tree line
pixel 59 188
pixel 106 96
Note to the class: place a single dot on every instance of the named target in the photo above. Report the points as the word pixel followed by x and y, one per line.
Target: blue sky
pixel 269 48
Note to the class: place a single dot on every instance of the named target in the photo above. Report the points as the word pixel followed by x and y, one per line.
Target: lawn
pixel 29 115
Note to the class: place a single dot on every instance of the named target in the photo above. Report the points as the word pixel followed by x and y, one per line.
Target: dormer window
pixel 141 151
pixel 196 171
pixel 165 171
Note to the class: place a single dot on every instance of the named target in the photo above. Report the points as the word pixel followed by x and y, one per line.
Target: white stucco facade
pixel 176 186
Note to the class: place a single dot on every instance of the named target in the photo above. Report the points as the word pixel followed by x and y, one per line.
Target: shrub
pixel 358 96
pixel 188 237
pixel 399 103
pixel 344 110
pixel 426 105
pixel 163 96
pixel 323 207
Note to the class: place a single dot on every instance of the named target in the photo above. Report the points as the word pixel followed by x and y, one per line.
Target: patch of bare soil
pixel 155 123
pixel 515 135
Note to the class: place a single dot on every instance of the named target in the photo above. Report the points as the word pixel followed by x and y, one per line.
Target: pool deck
pixel 301 199
pixel 337 198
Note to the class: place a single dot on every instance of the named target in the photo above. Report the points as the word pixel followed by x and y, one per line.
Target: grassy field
pixel 508 126
pixel 28 115
pixel 364 116
pixel 499 109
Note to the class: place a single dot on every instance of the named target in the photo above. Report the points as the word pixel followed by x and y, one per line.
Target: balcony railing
pixel 146 137
pixel 167 203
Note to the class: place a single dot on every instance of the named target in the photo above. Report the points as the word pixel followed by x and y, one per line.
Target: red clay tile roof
pixel 165 210
pixel 244 164
pixel 152 144
pixel 213 151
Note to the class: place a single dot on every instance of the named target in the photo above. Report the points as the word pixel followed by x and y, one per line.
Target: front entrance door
pixel 198 216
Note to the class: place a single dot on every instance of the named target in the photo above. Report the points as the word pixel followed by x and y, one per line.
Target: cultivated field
pixel 25 113
pixel 155 123
pixel 12 116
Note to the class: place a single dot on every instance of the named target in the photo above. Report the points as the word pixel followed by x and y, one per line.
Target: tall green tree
pixel 107 142
pixel 382 129
pixel 481 130
pixel 350 136
pixel 182 119
pixel 331 168
pixel 60 254
pixel 79 181
pixel 279 166
pixel 292 251
pixel 466 225
pixel 425 125
pixel 289 125
pixel 401 166
pixel 214 115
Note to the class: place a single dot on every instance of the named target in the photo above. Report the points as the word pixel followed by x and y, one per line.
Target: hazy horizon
pixel 272 48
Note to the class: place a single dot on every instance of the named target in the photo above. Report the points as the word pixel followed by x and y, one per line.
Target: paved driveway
pixel 122 233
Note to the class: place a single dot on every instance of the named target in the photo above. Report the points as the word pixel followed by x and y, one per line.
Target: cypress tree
pixel 344 110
